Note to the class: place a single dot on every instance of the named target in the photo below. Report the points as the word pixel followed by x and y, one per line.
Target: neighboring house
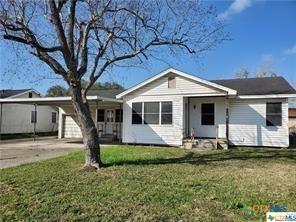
pixel 166 108
pixel 22 118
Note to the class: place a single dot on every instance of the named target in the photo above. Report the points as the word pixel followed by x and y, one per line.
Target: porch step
pixel 106 138
pixel 209 144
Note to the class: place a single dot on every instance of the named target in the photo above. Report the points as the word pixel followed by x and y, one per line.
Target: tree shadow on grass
pixel 196 158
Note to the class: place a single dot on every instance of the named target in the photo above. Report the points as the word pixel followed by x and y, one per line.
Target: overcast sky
pixel 263 34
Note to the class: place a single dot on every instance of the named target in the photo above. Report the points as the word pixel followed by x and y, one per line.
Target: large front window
pixel 152 113
pixel 273 114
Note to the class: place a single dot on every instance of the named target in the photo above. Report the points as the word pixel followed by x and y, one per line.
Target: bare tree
pixel 83 39
pixel 265 71
pixel 242 73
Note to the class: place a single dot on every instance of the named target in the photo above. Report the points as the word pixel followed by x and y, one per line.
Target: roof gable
pixel 178 73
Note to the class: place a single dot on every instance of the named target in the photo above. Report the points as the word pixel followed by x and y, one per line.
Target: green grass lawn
pixel 151 184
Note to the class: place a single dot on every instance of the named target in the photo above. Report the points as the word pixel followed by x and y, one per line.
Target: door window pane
pixel 208 114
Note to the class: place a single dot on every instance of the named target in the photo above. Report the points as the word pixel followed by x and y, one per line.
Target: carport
pixel 111 124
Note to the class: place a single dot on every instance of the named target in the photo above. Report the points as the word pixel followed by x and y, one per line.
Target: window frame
pixel 98 115
pixel 207 114
pixel 53 117
pixel 166 113
pixel 34 116
pixel 151 113
pixel 270 114
pixel 140 114
pixel 118 115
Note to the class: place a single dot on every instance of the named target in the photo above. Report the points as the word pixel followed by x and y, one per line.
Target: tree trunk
pixel 88 129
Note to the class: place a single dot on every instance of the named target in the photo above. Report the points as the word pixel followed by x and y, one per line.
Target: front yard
pixel 151 184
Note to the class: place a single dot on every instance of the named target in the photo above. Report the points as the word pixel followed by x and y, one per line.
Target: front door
pixel 109 120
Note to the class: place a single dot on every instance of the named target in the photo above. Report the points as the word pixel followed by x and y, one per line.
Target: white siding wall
pixel 183 86
pixel 247 124
pixel 16 118
pixel 158 91
pixel 220 117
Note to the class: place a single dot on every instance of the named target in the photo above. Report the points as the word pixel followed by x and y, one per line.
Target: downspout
pixel 35 121
pixel 227 119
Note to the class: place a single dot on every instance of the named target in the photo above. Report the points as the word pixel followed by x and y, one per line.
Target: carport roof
pixel 55 100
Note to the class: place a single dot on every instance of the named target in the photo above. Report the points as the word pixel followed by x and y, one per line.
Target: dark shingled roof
pixel 258 86
pixel 5 93
pixel 107 93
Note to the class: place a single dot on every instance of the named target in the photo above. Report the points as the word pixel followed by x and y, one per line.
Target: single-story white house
pixel 173 105
pixel 25 118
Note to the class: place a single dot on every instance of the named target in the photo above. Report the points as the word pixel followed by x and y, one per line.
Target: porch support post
pixel 0 121
pixel 120 121
pixel 96 123
pixel 188 117
pixel 35 121
pixel 227 120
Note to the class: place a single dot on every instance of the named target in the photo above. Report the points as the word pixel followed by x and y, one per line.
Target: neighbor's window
pixel 137 113
pixel 208 114
pixel 273 114
pixel 172 82
pixel 118 115
pixel 53 117
pixel 151 113
pixel 33 116
pixel 30 95
pixel 166 112
pixel 100 115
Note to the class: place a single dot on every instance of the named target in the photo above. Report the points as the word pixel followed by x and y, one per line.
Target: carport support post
pixel 35 120
pixel 0 121
pixel 227 120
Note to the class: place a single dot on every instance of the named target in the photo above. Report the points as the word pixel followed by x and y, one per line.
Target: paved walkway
pixel 15 152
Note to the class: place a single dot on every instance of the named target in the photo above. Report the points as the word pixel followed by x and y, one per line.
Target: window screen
pixel 53 117
pixel 137 113
pixel 33 116
pixel 118 115
pixel 166 112
pixel 151 113
pixel 208 114
pixel 101 115
pixel 273 114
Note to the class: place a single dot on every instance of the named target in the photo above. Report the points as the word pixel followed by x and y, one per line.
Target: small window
pixel 53 117
pixel 172 82
pixel 34 117
pixel 208 114
pixel 166 112
pixel 118 115
pixel 30 95
pixel 100 115
pixel 137 113
pixel 273 114
pixel 151 113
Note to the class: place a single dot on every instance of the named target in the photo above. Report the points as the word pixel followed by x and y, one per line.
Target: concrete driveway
pixel 14 153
